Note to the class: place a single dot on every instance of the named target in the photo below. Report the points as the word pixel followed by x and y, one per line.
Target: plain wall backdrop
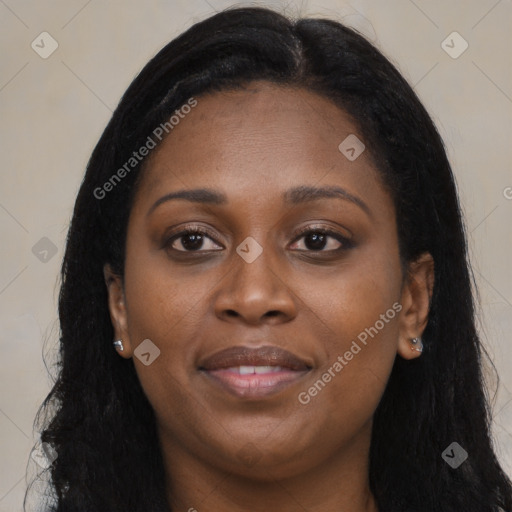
pixel 54 109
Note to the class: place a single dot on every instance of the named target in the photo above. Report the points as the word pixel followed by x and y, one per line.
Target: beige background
pixel 53 111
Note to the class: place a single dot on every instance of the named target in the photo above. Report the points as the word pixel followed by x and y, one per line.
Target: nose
pixel 255 293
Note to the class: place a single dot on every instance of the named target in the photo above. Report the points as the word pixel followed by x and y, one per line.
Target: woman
pixel 266 299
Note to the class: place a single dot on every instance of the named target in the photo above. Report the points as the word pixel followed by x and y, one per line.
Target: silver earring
pixel 418 345
pixel 119 345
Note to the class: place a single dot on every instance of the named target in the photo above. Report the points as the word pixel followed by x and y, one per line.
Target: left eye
pixel 321 240
pixel 192 241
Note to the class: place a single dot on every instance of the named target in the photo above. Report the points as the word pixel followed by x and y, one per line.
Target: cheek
pixel 162 301
pixel 359 310
pixel 166 310
pixel 355 295
pixel 167 319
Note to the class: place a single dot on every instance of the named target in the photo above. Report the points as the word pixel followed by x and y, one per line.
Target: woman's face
pixel 298 252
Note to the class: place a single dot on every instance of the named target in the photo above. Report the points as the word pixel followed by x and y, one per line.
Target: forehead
pixel 261 136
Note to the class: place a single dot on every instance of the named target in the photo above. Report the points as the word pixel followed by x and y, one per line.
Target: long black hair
pixel 98 419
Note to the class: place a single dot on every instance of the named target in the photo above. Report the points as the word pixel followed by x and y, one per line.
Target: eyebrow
pixel 306 193
pixel 197 195
pixel 293 196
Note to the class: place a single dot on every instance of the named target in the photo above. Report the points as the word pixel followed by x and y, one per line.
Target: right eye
pixel 191 239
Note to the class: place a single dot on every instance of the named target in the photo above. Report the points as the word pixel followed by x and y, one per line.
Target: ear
pixel 117 308
pixel 416 296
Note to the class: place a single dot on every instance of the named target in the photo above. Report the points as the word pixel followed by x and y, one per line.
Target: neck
pixel 339 484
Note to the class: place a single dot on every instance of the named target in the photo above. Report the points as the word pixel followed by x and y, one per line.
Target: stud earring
pixel 417 344
pixel 118 344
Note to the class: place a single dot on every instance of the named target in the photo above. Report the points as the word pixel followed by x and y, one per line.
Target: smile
pixel 254 381
pixel 254 372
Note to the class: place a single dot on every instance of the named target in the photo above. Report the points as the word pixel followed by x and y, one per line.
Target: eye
pixel 199 239
pixel 192 239
pixel 321 240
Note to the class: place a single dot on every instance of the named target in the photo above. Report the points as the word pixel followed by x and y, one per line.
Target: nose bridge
pixel 253 289
pixel 254 263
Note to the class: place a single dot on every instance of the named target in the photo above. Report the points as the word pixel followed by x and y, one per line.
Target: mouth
pixel 254 372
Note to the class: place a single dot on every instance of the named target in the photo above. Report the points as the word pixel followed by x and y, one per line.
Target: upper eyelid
pixel 186 230
pixel 343 240
pixel 328 230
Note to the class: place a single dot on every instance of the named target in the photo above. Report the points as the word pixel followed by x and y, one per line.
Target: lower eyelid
pixel 344 244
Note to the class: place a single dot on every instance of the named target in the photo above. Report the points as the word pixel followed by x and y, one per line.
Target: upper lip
pixel 267 355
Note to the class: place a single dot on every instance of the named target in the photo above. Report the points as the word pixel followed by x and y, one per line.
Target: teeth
pixel 266 369
pixel 247 370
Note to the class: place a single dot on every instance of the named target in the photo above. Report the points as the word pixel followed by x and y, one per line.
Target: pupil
pixel 192 242
pixel 317 241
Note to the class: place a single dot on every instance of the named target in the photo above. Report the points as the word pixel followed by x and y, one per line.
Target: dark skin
pixel 253 145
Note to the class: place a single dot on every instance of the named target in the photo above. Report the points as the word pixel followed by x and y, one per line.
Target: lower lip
pixel 254 385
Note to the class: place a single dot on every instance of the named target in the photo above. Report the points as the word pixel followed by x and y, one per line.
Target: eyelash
pixel 344 241
pixel 198 230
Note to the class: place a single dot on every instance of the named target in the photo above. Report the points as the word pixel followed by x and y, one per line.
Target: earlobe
pixel 117 310
pixel 416 297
